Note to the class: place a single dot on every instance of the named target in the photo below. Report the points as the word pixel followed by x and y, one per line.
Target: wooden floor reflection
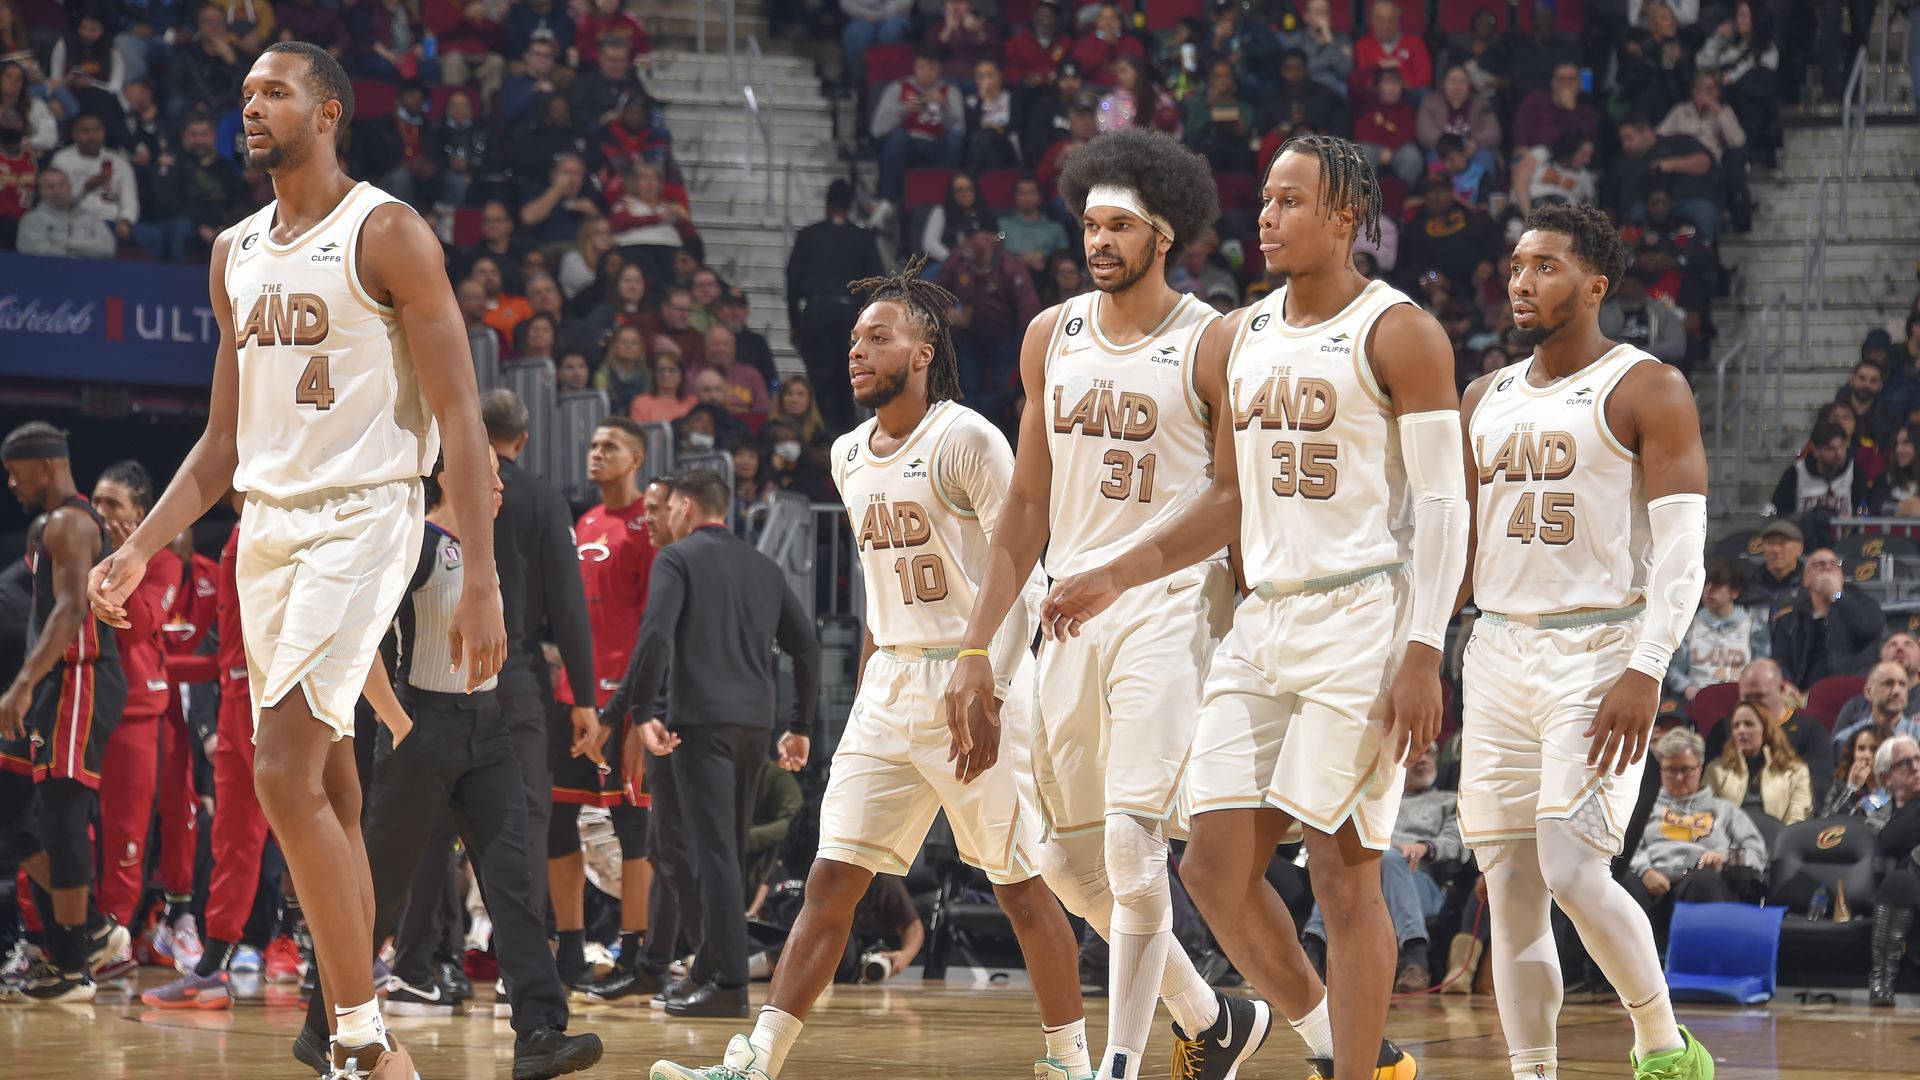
pixel 922 1030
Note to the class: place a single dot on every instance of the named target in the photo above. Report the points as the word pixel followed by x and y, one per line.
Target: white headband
pixel 1122 198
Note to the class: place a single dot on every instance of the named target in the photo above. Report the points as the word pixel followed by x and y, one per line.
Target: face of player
pixel 1121 249
pixel 612 456
pixel 29 477
pixel 1548 288
pixel 659 528
pixel 282 119
pixel 1747 732
pixel 116 503
pixel 1680 773
pixel 1296 233
pixel 884 354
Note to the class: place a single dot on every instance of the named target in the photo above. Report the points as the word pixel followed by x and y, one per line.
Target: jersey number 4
pixel 315 387
pixel 1554 523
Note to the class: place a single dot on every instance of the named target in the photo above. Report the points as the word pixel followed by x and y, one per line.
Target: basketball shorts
pixel 1116 706
pixel 1294 715
pixel 1527 699
pixel 890 776
pixel 579 780
pixel 73 714
pixel 320 577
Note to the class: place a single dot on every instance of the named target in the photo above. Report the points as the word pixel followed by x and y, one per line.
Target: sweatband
pixel 1679 527
pixel 1124 198
pixel 28 449
pixel 1433 453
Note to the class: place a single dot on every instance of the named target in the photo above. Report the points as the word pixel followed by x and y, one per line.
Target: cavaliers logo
pixel 1504 383
pixel 1074 324
pixel 1866 571
pixel 1872 549
pixel 1754 544
pixel 1830 838
pixel 251 239
pixel 1260 321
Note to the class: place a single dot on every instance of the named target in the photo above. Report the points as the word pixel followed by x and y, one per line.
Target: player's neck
pixel 618 496
pixel 308 194
pixel 59 490
pixel 898 418
pixel 1132 314
pixel 1315 296
pixel 1575 347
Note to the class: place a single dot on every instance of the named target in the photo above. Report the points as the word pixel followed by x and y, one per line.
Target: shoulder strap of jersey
pixel 1069 311
pixel 1381 301
pixel 369 199
pixel 1625 359
pixel 1190 367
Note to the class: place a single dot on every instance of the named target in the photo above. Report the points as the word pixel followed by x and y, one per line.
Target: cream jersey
pixel 1561 517
pixel 1127 430
pixel 922 518
pixel 328 394
pixel 1323 489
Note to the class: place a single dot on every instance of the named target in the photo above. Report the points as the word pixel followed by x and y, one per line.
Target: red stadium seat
pixel 1713 704
pixel 996 186
pixel 927 186
pixel 885 63
pixel 1237 190
pixel 373 100
pixel 1393 196
pixel 466 226
pixel 1016 15
pixel 1340 16
pixel 1163 14
pixel 1456 16
pixel 1570 16
pixel 1827 697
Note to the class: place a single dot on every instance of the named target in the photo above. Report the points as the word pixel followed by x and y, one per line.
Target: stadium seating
pixel 1724 953
pixel 1713 704
pixel 1826 697
pixel 996 186
pixel 1837 853
pixel 1456 16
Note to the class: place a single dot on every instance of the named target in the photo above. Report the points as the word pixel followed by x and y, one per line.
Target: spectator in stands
pixel 965 38
pixel 1064 279
pixel 1385 128
pixel 471 43
pixel 1034 53
pixel 1698 847
pixel 1632 317
pixel 1219 123
pixel 826 255
pixel 1863 394
pixel 708 426
pixel 196 195
pixel 1100 48
pixel 1898 764
pixel 573 373
pixel 524 95
pixel 1823 479
pixel 504 309
pixel 1854 778
pixel 869 23
pixel 1652 62
pixel 1723 638
pixel 623 371
pixel 1457 110
pixel 1547 115
pixel 1896 492
pixel 1028 233
pixel 942 230
pixel 1136 99
pixel 669 396
pixel 579 266
pixel 1299 105
pixel 17 175
pixel 731 312
pixel 598 93
pixel 605 18
pixel 990 115
pixel 705 287
pixel 1385 48
pixel 388 38
pixel 544 297
pixel 1561 173
pixel 1083 123
pixel 142 132
pixel 1759 772
pixel 1049 112
pixel 556 214
pixel 994 301
pixel 1763 686
pixel 648 226
pixel 1742 53
pixel 107 187
pixel 484 340
pixel 676 325
pixel 638 134
pixel 86 66
pixel 1781 545
pixel 58 226
pixel 1197 273
pixel 1447 236
pixel 1427 849
pixel 746 390
pixel 1329 53
pixel 497 242
pixel 795 406
pixel 42 130
pixel 537 337
pixel 1483 52
pixel 459 148
pixel 539 20
pixel 919 120
pixel 790 467
pixel 1530 62
pixel 1829 629
pixel 1887 705
pixel 1679 163
pixel 1715 127
pixel 396 151
pixel 315 22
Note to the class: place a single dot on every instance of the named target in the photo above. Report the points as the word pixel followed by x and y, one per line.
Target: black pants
pixel 714 770
pixel 821 336
pixel 458 758
pixel 526 716
pixel 672 872
pixel 429 929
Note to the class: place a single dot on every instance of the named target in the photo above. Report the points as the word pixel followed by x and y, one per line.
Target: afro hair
pixel 1173 181
pixel 1596 244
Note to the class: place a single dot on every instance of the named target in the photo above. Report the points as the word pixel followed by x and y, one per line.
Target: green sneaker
pixel 1690 1062
pixel 1049 1069
pixel 742 1062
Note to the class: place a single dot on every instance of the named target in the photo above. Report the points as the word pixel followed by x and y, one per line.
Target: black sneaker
pixel 47 985
pixel 314 1052
pixel 1217 1053
pixel 453 976
pixel 630 985
pixel 406 999
pixel 678 986
pixel 552 1052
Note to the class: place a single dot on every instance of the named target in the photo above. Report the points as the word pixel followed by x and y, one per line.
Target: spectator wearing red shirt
pixel 19 176
pixel 1386 47
pixel 1545 115
pixel 472 47
pixel 966 38
pixel 607 18
pixel 1385 129
pixel 1034 53
pixel 1098 51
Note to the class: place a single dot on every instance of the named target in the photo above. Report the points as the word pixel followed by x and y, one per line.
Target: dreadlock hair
pixel 1346 180
pixel 1172 181
pixel 927 305
pixel 1594 243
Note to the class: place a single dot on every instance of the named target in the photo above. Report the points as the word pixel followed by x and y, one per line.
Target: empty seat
pixel 1726 953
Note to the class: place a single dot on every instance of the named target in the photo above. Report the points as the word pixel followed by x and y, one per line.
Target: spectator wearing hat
pixel 994 302
pixel 1723 638
pixel 1034 52
pixel 919 120
pixel 1822 479
pixel 1828 627
pixel 1049 112
pixel 870 23
pixel 826 256
pixel 1633 317
pixel 1781 545
pixel 731 312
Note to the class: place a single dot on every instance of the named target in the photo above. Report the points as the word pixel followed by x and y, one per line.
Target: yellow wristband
pixel 964 653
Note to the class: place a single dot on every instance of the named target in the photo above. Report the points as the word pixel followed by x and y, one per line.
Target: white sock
pixel 1316 1030
pixel 1654 1029
pixel 1132 994
pixel 1067 1046
pixel 1539 1064
pixel 360 1025
pixel 773 1035
pixel 1194 1005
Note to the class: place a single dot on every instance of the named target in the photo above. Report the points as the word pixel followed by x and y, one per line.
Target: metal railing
pixel 1853 134
pixel 1725 417
pixel 700 34
pixel 1813 266
pixel 1758 360
pixel 758 106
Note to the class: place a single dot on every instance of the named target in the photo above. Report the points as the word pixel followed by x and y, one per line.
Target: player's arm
pixel 1207 524
pixel 402 260
pixel 974 471
pixel 1652 410
pixel 72 541
pixel 386 704
pixel 1468 403
pixel 203 478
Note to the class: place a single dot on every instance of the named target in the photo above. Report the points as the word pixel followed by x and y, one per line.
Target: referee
pixel 715 609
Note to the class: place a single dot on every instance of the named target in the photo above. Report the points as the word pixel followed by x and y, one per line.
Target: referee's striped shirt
pixel 427 612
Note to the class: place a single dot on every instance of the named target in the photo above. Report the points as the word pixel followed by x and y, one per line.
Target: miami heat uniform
pixel 1131 447
pixel 333 437
pixel 77 706
pixel 616 558
pixel 1295 702
pixel 1559 576
pixel 136 750
pixel 922 519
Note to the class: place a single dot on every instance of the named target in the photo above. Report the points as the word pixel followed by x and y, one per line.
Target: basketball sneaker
pixel 406 999
pixel 1216 1053
pixel 1394 1064
pixel 281 964
pixel 178 944
pixel 48 985
pixel 373 1061
pixel 191 991
pixel 628 985
pixel 246 960
pixel 310 1049
pixel 1690 1062
pixel 599 958
pixel 20 959
pixel 453 976
pixel 110 952
pixel 1049 1069
pixel 742 1062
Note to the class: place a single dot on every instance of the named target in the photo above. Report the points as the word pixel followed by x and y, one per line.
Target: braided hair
pixel 926 304
pixel 1346 180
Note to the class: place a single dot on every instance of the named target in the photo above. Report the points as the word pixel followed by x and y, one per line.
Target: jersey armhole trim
pixel 359 291
pixel 934 474
pixel 1362 369
pixel 1053 341
pixel 1240 339
pixel 1195 403
pixel 1607 437
pixel 233 252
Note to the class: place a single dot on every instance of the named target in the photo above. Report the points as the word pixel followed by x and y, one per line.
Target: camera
pixel 875 966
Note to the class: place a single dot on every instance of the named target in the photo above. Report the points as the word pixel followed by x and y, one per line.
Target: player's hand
pixel 1656 882
pixel 633 754
pixel 478 636
pixel 1712 860
pixel 399 724
pixel 112 580
pixel 1619 730
pixel 1075 600
pixel 972 680
pixel 13 711
pixel 589 735
pixel 1413 706
pixel 657 739
pixel 794 751
pixel 976 740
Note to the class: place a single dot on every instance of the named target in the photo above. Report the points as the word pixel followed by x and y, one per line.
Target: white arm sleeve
pixel 1679 526
pixel 1431 447
pixel 974 471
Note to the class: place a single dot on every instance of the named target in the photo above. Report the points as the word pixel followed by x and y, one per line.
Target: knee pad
pixel 1137 873
pixel 1571 858
pixel 563 831
pixel 63 810
pixel 1075 869
pixel 630 828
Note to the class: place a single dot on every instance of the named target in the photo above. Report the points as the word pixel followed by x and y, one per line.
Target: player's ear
pixel 923 356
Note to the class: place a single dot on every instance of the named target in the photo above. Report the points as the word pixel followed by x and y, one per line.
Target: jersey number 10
pixel 315 387
pixel 923 578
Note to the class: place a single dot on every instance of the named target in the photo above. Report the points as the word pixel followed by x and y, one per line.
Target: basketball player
pixel 60 712
pixel 1589 480
pixel 1111 444
pixel 340 346
pixel 615 558
pixel 1334 471
pixel 923 482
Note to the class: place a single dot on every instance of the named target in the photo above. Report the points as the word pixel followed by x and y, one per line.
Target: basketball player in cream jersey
pixel 923 482
pixel 1335 471
pixel 1114 441
pixel 340 347
pixel 1589 482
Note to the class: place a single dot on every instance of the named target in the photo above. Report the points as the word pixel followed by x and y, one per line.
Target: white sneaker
pixel 246 960
pixel 186 943
pixel 742 1062
pixel 599 958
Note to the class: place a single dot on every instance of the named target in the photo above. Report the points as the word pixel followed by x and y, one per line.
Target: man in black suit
pixel 826 255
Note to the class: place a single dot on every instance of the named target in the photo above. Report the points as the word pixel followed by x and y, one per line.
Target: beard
pixel 884 389
pixel 280 155
pixel 1131 273
pixel 1545 325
